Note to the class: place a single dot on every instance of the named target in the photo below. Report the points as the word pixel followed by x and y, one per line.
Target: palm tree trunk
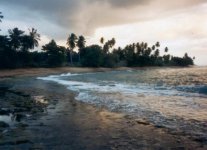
pixel 71 57
pixel 79 57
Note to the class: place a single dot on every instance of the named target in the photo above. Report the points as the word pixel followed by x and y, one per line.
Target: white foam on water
pixel 132 98
pixel 99 87
pixel 159 103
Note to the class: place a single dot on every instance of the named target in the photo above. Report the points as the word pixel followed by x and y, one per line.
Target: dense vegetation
pixel 16 50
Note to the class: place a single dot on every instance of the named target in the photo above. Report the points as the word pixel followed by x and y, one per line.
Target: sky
pixel 181 25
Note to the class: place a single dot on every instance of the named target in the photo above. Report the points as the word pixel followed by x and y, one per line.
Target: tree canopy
pixel 15 52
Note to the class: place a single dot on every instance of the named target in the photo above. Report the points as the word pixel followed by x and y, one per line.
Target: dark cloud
pixel 84 16
pixel 78 16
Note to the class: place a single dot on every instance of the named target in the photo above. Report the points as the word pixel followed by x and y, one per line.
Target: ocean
pixel 171 98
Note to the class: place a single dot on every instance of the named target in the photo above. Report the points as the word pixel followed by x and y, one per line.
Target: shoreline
pixel 70 124
pixel 32 72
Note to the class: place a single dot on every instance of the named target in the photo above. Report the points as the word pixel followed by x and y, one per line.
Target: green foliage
pixel 109 44
pixel 81 43
pixel 56 55
pixel 15 36
pixel 71 42
pixel 185 61
pixel 92 56
pixel 34 38
pixel 15 52
pixel 102 40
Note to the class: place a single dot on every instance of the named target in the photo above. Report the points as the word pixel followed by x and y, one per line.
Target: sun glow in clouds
pixel 185 32
pixel 179 25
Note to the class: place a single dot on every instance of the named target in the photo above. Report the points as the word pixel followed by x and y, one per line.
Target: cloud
pixel 124 3
pixel 87 15
pixel 179 24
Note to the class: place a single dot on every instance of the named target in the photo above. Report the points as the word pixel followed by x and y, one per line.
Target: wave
pixel 157 103
pixel 130 97
pixel 199 89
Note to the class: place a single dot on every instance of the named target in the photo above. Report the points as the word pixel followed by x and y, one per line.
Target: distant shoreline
pixel 32 72
pixel 48 71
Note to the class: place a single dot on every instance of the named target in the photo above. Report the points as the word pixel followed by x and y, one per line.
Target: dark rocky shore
pixel 43 115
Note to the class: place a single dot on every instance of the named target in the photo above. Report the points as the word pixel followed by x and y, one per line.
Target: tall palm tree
pixel 71 42
pixel 81 44
pixel 34 37
pixel 25 43
pixel 15 37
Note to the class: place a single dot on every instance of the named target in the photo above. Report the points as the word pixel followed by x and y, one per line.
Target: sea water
pixel 174 98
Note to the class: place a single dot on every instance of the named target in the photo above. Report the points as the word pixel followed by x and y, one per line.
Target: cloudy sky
pixel 179 24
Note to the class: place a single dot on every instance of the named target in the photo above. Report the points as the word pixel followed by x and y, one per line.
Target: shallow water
pixel 175 98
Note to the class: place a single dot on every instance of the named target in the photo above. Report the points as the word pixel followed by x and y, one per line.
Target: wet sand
pixel 32 72
pixel 69 124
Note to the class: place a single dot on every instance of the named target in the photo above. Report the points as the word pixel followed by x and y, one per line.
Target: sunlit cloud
pixel 180 25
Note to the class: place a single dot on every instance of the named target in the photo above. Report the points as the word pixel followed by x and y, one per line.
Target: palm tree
pixel 153 47
pixel 109 44
pixel 147 52
pixel 1 17
pixel 15 36
pixel 166 49
pixel 81 44
pixel 157 44
pixel 145 45
pixel 71 42
pixel 102 40
pixel 34 37
pixel 25 43
pixel 112 42
pixel 156 53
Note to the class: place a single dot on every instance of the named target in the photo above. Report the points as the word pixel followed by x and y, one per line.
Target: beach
pixel 48 71
pixel 63 122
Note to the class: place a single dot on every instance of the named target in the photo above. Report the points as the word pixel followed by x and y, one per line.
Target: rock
pixel 22 125
pixel 201 139
pixel 20 109
pixel 17 142
pixel 159 126
pixel 41 124
pixel 4 111
pixel 51 108
pixel 22 142
pixel 178 148
pixel 143 122
pixel 18 117
pixel 5 131
pixel 4 88
pixel 3 124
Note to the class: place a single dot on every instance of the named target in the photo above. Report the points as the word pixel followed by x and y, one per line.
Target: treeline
pixel 16 51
